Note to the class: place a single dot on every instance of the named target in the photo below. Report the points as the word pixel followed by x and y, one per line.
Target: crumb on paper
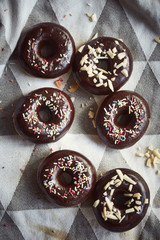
pixel 73 88
pixel 91 114
pixel 92 17
pixel 94 123
pixel 59 83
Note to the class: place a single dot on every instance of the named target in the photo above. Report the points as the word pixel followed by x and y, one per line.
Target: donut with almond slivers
pixel 121 199
pixel 103 65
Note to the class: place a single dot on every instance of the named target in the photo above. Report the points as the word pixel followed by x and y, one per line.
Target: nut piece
pixel 73 88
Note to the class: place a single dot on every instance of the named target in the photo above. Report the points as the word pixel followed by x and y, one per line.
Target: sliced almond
pixel 130 210
pixel 128 179
pixel 96 203
pixel 124 72
pixel 120 174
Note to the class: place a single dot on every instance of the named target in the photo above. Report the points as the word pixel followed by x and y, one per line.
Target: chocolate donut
pixel 121 200
pixel 103 65
pixel 122 119
pixel 44 115
pixel 66 177
pixel 46 50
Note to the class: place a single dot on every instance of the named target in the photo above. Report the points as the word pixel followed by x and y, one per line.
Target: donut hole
pixel 103 64
pixel 48 48
pixel 120 200
pixel 66 178
pixel 125 119
pixel 47 116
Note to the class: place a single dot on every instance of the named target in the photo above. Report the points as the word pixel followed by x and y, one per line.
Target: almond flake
pixel 129 210
pixel 139 154
pixel 109 203
pixel 128 179
pixel 157 40
pixel 121 55
pixel 110 85
pixel 96 203
pixel 122 219
pixel 111 216
pixel 138 208
pixel 111 54
pixel 124 72
pixel 146 201
pixel 95 36
pixel 120 174
pixel 84 58
pixel 80 49
pixel 138 202
pixel 137 195
pixel 111 192
pixel 156 152
pixel 148 163
pixel 130 188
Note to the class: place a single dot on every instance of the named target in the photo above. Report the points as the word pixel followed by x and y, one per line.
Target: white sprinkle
pixel 156 153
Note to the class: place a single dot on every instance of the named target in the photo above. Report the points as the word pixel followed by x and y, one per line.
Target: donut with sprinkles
pixel 66 177
pixel 102 65
pixel 121 199
pixel 122 119
pixel 46 50
pixel 44 115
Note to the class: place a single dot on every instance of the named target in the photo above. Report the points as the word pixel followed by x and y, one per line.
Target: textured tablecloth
pixel 24 211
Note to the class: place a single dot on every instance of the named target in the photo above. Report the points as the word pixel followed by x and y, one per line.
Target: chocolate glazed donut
pixel 103 65
pixel 44 115
pixel 122 119
pixel 121 198
pixel 66 177
pixel 46 50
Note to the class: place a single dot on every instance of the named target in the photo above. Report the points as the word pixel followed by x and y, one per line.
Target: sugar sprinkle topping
pixel 81 178
pixel 121 134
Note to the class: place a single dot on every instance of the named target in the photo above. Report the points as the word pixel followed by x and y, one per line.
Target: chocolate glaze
pixel 134 112
pixel 46 50
pixel 79 168
pixel 30 124
pixel 112 52
pixel 118 199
